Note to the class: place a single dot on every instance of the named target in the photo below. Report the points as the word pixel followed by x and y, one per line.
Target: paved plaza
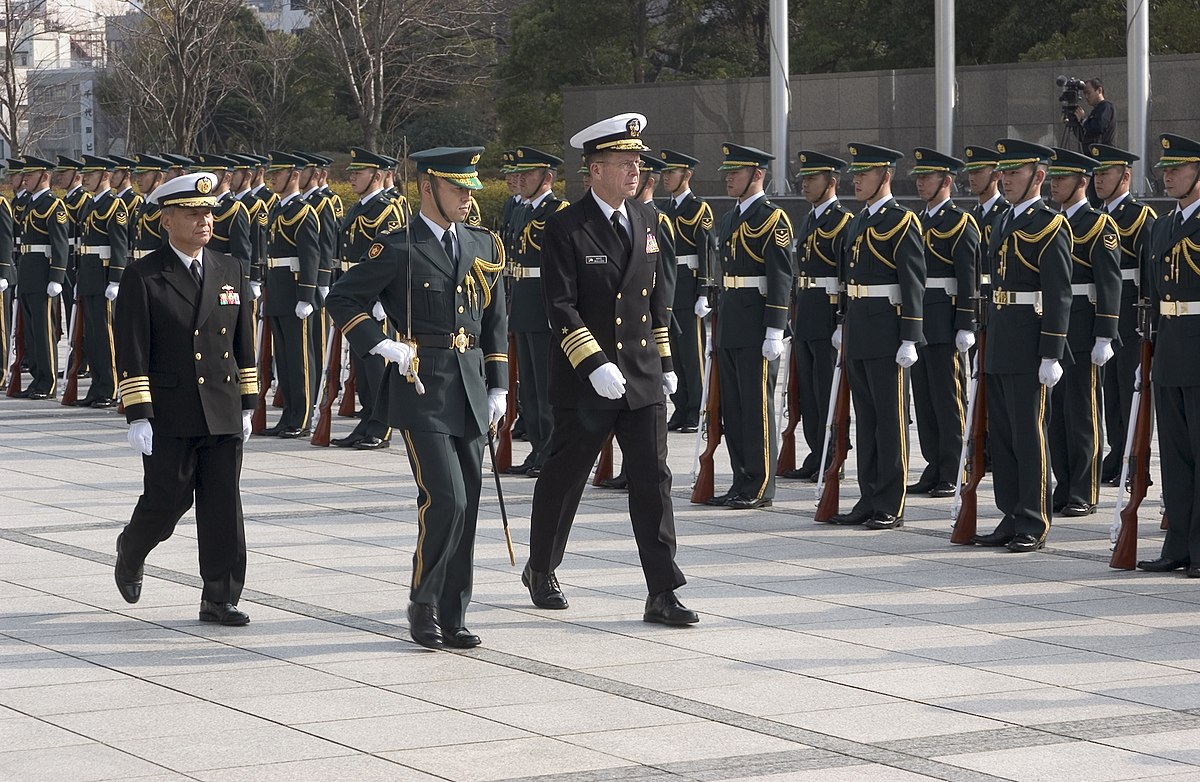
pixel 823 653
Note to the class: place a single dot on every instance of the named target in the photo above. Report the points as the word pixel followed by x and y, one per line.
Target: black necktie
pixel 810 222
pixel 196 272
pixel 448 244
pixel 621 234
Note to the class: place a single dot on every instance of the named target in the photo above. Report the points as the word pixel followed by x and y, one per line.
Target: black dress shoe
pixel 423 625
pixel 943 489
pixel 1078 509
pixel 851 518
pixel 39 395
pixel 21 394
pixel 665 609
pixel 992 540
pixel 1163 565
pixel 83 402
pixel 533 472
pixel 689 428
pixel 721 500
pixel 223 613
pixel 294 434
pixel 801 473
pixel 1058 507
pixel 372 444
pixel 272 431
pixel 618 481
pixel 1193 571
pixel 104 402
pixel 742 502
pixel 674 424
pixel 922 486
pixel 543 589
pixel 1023 542
pixel 519 469
pixel 880 520
pixel 129 579
pixel 460 638
pixel 349 441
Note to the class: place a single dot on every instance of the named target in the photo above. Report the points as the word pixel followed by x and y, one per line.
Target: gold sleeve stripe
pixel 578 345
pixel 356 320
pixel 249 387
pixel 664 349
pixel 496 357
pixel 247 373
pixel 138 398
pixel 134 383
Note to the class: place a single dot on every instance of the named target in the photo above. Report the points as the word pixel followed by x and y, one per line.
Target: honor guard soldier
pixel 149 174
pixel 293 266
pixel 692 220
pixel 241 184
pixel 511 175
pixel 446 383
pixel 122 187
pixel 231 219
pixel 1030 257
pixel 41 272
pixel 951 239
pixel 1075 446
pixel 68 178
pixel 527 320
pixel 373 215
pixel 1111 178
pixel 177 165
pixel 185 353
pixel 18 204
pixel 820 246
pixel 1174 281
pixel 103 249
pixel 327 237
pixel 755 243
pixel 8 276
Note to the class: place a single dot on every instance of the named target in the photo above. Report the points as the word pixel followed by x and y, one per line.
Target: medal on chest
pixel 651 242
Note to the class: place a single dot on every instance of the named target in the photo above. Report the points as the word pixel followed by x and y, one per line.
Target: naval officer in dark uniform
pixel 185 358
pixel 608 309
pixel 439 277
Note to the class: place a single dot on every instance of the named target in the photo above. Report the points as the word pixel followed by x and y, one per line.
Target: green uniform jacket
pixel 818 255
pixel 46 227
pixel 1095 260
pixel 231 231
pixel 366 220
pixel 951 252
pixel 260 217
pixel 7 270
pixel 756 244
pixel 527 308
pixel 293 234
pixel 105 225
pixel 1175 269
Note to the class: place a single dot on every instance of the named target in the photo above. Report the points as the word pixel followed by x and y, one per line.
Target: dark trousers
pixel 578 436
pixel 41 345
pixel 449 474
pixel 207 469
pixel 939 391
pixel 1018 435
pixel 879 391
pixel 6 332
pixel 296 371
pixel 1118 398
pixel 533 391
pixel 368 379
pixel 687 353
pixel 1075 433
pixel 815 360
pixel 748 419
pixel 96 319
pixel 1178 412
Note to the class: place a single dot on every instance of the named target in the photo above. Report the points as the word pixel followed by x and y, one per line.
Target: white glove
pixel 141 436
pixel 670 383
pixel 54 289
pixel 256 290
pixel 303 309
pixel 377 312
pixel 772 347
pixel 836 339
pixel 497 406
pixel 3 285
pixel 1102 351
pixel 702 308
pixel 1137 376
pixel 323 290
pixel 110 292
pixel 246 416
pixel 608 381
pixel 906 356
pixel 964 340
pixel 399 352
pixel 1049 372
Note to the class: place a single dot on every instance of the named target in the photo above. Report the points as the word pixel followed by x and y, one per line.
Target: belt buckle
pixel 1168 308
pixel 460 341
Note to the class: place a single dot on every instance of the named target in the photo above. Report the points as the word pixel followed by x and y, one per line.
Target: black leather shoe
pixel 721 500
pixel 748 503
pixel 1058 507
pixel 533 472
pixel 21 394
pixel 674 424
pixel 1193 571
pixel 129 579
pixel 801 473
pixel 272 431
pixel 423 625
pixel 83 403
pixel 665 609
pixel 39 395
pixel 519 469
pixel 1163 565
pixel 543 589
pixel 943 489
pixel 689 428
pixel 460 638
pixel 223 613
pixel 616 482
pixel 1078 509
pixel 880 520
pixel 1024 542
pixel 922 486
pixel 372 444
pixel 104 403
pixel 349 441
pixel 294 434
pixel 851 518
pixel 992 540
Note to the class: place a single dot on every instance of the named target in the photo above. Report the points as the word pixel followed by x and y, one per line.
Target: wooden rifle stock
pixel 704 489
pixel 1125 551
pixel 966 522
pixel 75 331
pixel 827 507
pixel 787 440
pixel 258 422
pixel 333 382
pixel 504 434
pixel 14 372
pixel 604 467
pixel 347 408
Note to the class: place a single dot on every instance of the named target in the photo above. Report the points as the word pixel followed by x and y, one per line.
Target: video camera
pixel 1072 95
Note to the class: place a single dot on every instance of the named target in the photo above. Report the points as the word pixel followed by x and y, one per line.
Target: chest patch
pixel 592 260
pixel 228 296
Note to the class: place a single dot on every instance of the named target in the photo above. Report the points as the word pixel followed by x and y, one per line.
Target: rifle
pixel 14 371
pixel 258 422
pixel 1136 466
pixel 837 431
pixel 604 468
pixel 971 461
pixel 504 450
pixel 330 383
pixel 349 389
pixel 703 471
pixel 75 341
pixel 787 436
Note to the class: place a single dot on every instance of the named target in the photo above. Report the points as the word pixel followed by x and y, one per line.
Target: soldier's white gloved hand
pixel 497 406
pixel 702 308
pixel 772 346
pixel 141 436
pixel 3 285
pixel 906 356
pixel 303 309
pixel 377 312
pixel 670 383
pixel 1137 376
pixel 608 381
pixel 1049 372
pixel 964 340
pixel 323 290
pixel 111 290
pixel 836 339
pixel 54 289
pixel 400 352
pixel 1102 351
pixel 256 290
pixel 246 416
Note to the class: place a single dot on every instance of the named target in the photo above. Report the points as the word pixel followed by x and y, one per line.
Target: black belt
pixel 462 342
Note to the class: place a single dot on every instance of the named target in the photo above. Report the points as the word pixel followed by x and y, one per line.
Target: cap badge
pixel 854 151
pixel 634 126
pixel 203 185
pixel 1166 142
pixel 1000 148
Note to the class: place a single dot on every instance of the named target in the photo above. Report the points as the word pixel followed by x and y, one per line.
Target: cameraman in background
pixel 1100 127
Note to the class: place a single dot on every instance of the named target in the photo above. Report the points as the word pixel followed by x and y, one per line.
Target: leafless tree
pixel 24 23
